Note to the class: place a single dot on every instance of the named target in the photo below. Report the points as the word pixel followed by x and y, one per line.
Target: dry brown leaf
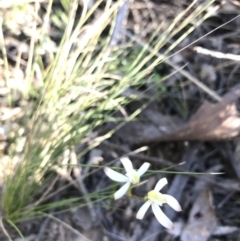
pixel 202 219
pixel 151 124
pixel 219 121
pixel 236 158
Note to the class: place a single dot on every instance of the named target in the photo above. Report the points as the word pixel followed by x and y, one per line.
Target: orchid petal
pixel 122 191
pixel 143 168
pixel 141 212
pixel 173 203
pixel 115 176
pixel 127 164
pixel 161 183
pixel 158 203
pixel 161 217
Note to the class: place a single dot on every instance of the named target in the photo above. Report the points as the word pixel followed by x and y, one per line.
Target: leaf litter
pixel 220 121
pixel 169 137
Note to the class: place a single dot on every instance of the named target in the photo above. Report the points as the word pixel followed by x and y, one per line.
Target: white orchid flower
pixel 132 176
pixel 156 199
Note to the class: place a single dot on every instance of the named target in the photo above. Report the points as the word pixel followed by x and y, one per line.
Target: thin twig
pixel 134 154
pixel 42 229
pixel 225 200
pixel 65 225
pixel 195 41
pixel 121 16
pixel 46 221
pixel 81 186
pixel 216 54
pixel 114 236
pixel 49 189
pixel 197 82
pixel 175 189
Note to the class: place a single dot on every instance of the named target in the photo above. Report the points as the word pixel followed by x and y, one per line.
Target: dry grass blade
pixel 4 230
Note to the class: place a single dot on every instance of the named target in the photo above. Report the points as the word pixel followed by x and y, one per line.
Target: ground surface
pixel 210 203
